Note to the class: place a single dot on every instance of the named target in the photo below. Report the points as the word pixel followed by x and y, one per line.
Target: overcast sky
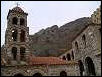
pixel 43 14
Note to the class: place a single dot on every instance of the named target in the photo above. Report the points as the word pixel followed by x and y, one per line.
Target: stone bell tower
pixel 17 35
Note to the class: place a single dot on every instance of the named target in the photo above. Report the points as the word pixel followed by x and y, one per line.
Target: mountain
pixel 55 40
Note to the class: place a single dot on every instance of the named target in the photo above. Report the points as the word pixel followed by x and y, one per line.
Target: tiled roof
pixel 17 10
pixel 47 61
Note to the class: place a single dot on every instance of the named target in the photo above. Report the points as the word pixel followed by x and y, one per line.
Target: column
pixel 18 55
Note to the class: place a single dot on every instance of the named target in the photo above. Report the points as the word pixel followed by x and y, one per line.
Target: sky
pixel 43 14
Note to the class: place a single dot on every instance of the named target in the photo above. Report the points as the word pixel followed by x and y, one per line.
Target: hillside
pixel 55 40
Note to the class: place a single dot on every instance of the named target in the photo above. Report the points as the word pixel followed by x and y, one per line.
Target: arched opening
pixel 14 35
pixel 84 40
pixel 63 73
pixel 81 67
pixel 100 31
pixel 64 58
pixel 22 22
pixel 90 68
pixel 19 74
pixel 14 52
pixel 68 57
pixel 37 74
pixel 22 36
pixel 22 53
pixel 14 21
pixel 76 45
pixel 72 55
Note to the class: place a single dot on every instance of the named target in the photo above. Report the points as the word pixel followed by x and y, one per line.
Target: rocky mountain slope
pixel 55 40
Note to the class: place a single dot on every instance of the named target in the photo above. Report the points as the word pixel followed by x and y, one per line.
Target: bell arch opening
pixel 22 53
pixel 14 20
pixel 22 21
pixel 14 52
pixel 14 34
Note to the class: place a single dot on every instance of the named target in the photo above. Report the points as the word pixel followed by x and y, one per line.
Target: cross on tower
pixel 17 4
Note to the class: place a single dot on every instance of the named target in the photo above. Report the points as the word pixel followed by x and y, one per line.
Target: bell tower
pixel 17 35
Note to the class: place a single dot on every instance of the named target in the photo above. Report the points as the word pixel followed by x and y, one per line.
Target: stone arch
pixel 81 67
pixel 84 39
pixel 36 71
pixel 22 36
pixel 64 58
pixel 72 54
pixel 37 74
pixel 22 53
pixel 90 68
pixel 14 52
pixel 18 72
pixel 68 57
pixel 14 20
pixel 76 45
pixel 22 21
pixel 14 34
pixel 63 73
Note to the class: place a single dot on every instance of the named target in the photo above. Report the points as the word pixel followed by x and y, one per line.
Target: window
pixel 14 21
pixel 76 45
pixel 64 58
pixel 14 52
pixel 68 57
pixel 22 36
pixel 100 30
pixel 14 35
pixel 72 55
pixel 22 53
pixel 84 40
pixel 22 22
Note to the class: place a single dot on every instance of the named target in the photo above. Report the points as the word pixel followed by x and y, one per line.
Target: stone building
pixel 17 59
pixel 17 35
pixel 84 58
pixel 86 47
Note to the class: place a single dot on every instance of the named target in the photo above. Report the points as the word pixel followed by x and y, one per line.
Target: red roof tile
pixel 47 61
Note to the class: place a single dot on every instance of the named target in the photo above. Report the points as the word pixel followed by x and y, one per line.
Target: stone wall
pixel 24 70
pixel 71 70
pixel 44 70
pixel 92 47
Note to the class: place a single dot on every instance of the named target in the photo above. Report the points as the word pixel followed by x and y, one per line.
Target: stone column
pixel 27 54
pixel 19 32
pixel 18 55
